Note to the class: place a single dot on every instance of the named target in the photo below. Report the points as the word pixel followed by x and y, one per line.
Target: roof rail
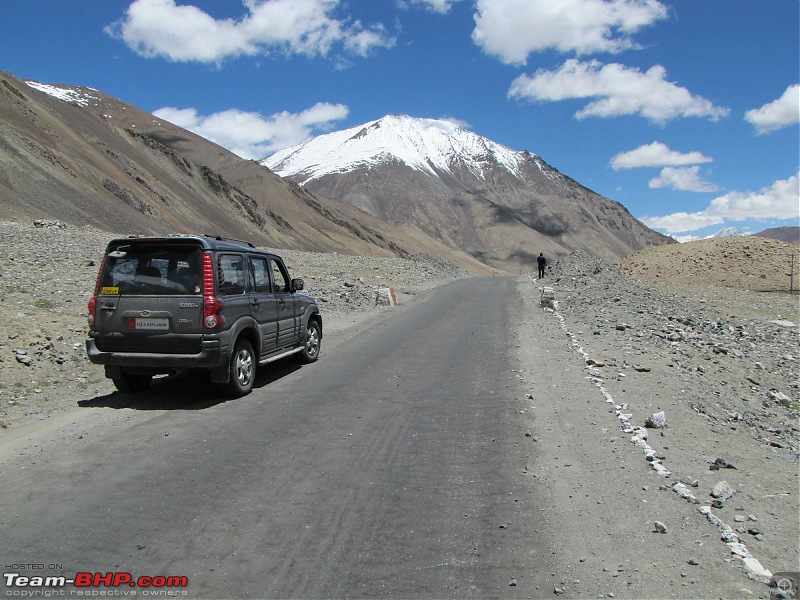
pixel 220 238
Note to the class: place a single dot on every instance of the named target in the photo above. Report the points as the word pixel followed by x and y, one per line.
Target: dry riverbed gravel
pixel 715 369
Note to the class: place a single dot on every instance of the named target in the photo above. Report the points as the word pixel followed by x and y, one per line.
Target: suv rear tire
pixel 128 383
pixel 242 370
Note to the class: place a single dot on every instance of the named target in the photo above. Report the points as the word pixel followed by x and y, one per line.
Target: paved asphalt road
pixel 393 467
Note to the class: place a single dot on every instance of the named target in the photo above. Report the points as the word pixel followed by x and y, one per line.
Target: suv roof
pixel 207 241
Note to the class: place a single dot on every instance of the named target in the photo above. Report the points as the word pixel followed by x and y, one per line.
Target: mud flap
pixel 220 374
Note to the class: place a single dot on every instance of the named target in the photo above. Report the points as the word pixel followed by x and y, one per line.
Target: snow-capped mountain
pixel 431 146
pixel 728 232
pixel 724 232
pixel 500 205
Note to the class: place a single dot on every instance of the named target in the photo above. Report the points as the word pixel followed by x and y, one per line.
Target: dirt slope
pixel 745 263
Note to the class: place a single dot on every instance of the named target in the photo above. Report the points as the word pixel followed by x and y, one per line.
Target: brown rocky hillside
pixel 747 263
pixel 785 234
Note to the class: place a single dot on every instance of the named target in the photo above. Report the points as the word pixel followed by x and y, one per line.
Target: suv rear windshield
pixel 148 269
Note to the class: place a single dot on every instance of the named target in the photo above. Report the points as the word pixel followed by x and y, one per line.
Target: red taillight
pixel 211 304
pixel 92 305
pixel 93 299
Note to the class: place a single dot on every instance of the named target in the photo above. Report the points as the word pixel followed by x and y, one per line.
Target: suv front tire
pixel 311 348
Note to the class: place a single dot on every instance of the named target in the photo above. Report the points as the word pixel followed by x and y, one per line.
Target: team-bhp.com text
pixel 90 584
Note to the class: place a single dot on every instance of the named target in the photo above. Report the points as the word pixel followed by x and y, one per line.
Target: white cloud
pixel 512 29
pixel 154 28
pixel 684 179
pixel 438 6
pixel 656 155
pixel 362 41
pixel 682 221
pixel 779 201
pixel 778 114
pixel 251 135
pixel 621 91
pixel 459 123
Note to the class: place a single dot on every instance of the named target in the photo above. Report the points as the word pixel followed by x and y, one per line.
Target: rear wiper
pixel 119 252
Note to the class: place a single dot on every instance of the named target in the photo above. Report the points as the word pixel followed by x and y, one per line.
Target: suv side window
pixel 261 283
pixel 280 277
pixel 231 274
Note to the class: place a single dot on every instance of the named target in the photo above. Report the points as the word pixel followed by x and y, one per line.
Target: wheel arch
pixel 249 333
pixel 313 314
pixel 243 328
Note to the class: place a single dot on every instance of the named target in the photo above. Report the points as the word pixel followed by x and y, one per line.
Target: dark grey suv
pixel 170 304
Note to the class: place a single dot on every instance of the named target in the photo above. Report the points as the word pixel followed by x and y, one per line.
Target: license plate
pixel 151 324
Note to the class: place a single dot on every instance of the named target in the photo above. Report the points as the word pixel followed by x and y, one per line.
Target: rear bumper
pixel 209 357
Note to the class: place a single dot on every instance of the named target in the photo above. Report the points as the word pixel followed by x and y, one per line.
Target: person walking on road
pixel 542 264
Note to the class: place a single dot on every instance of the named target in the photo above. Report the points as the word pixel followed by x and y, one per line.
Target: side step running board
pixel 264 361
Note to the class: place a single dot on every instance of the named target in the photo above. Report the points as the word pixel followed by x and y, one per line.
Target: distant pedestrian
pixel 542 264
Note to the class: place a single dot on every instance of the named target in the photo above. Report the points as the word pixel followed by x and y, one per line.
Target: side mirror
pixel 297 285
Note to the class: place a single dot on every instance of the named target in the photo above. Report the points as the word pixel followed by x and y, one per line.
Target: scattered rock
pixel 780 398
pixel 41 223
pixel 722 490
pixel 685 493
pixel 23 358
pixel 656 421
pixel 660 527
pixel 721 463
pixel 756 571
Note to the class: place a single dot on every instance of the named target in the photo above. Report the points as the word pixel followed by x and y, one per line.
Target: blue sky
pixel 684 111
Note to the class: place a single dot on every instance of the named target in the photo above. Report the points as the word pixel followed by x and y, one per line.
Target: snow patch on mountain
pixel 62 93
pixel 427 145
